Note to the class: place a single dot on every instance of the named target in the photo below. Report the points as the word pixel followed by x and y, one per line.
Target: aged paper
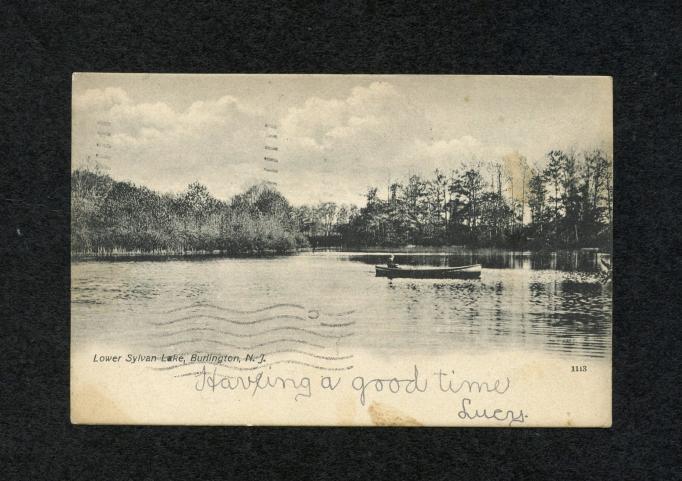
pixel 349 250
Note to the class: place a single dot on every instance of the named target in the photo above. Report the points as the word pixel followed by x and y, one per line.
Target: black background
pixel 41 44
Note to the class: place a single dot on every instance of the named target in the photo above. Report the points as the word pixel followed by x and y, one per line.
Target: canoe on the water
pixel 463 272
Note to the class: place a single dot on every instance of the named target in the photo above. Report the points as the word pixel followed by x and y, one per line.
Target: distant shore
pixel 376 250
pixel 569 204
pixel 146 256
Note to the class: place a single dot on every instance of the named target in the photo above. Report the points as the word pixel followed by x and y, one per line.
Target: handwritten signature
pixel 496 414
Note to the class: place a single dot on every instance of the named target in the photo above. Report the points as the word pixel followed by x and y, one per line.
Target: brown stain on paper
pixel 90 406
pixel 531 371
pixel 383 415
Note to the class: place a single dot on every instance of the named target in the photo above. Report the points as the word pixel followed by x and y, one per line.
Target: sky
pixel 336 135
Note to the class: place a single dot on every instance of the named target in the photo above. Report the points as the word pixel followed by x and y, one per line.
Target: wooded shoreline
pixel 566 205
pixel 203 255
pixel 198 255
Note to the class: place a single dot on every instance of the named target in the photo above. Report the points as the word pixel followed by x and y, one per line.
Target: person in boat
pixel 391 263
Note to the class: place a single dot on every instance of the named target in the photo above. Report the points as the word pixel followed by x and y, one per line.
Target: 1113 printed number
pixel 579 368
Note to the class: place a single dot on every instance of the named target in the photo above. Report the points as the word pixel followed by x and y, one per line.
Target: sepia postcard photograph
pixel 341 250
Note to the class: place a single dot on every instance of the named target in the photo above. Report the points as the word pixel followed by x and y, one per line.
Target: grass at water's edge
pixel 267 253
pixel 145 256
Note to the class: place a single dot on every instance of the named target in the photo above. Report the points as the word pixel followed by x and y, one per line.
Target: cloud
pixel 373 116
pixel 328 148
pixel 373 133
pixel 101 99
pixel 216 142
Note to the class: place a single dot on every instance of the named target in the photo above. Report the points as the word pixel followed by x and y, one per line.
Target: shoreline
pixel 161 256
pixel 412 250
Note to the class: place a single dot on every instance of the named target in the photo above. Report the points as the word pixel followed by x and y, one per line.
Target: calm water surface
pixel 333 301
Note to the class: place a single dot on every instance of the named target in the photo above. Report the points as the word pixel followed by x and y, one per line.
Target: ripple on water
pixel 562 312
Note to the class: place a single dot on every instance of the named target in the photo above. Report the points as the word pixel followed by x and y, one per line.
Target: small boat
pixel 427 272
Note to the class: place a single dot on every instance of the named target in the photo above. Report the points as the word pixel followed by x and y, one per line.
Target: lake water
pixel 325 304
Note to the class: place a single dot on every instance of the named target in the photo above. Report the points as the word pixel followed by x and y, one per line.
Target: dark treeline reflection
pixel 575 316
pixel 583 261
pixel 511 308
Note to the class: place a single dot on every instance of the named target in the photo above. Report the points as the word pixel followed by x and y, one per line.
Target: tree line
pixel 110 217
pixel 568 203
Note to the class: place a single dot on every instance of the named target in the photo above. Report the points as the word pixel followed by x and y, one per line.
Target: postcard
pixel 341 250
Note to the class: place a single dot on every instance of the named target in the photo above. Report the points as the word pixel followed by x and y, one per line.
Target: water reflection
pixel 523 301
pixel 553 302
pixel 583 261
